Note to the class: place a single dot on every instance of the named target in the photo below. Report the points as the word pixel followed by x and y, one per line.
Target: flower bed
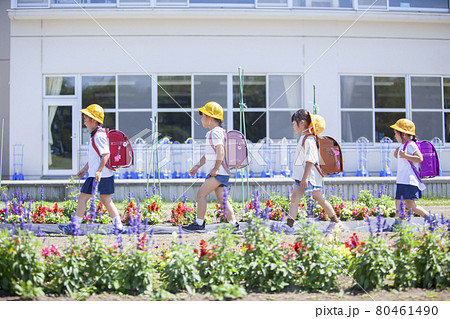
pixel 226 266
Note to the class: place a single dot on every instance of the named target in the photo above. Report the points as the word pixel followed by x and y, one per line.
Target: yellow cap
pixel 212 109
pixel 405 126
pixel 317 124
pixel 94 111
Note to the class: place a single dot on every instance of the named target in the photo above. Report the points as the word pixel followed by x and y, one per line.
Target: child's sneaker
pixel 66 229
pixel 237 229
pixel 288 230
pixel 116 231
pixel 194 228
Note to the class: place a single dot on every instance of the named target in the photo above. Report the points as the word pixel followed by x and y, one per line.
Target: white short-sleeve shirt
pixel 308 153
pixel 102 143
pixel 405 173
pixel 217 138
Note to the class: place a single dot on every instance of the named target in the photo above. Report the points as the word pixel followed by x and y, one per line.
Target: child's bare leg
pixel 296 196
pixel 109 205
pixel 318 197
pixel 229 210
pixel 419 210
pixel 207 187
pixel 81 205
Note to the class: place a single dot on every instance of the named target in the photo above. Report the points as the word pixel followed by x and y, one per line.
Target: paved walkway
pixel 348 226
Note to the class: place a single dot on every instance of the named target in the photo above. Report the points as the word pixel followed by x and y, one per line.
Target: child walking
pixel 409 187
pixel 213 159
pixel 93 117
pixel 307 177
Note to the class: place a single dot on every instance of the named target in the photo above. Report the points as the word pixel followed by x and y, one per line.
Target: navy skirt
pixel 408 192
pixel 223 179
pixel 105 187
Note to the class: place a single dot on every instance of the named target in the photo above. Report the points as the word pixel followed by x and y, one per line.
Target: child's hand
pixel 214 172
pixel 81 173
pixel 303 184
pixel 193 170
pixel 98 176
pixel 401 154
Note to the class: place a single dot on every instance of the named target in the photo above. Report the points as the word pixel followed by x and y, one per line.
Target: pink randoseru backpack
pixel 236 150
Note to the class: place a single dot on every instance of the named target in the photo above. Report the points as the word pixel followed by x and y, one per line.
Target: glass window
pixel 272 3
pixel 99 90
pixel 60 85
pixel 280 125
pixel 134 2
pixel 435 4
pixel 254 91
pixel 174 91
pixel 255 124
pixel 285 91
pixel 210 88
pixel 426 92
pixel 60 137
pixel 135 91
pixel 383 121
pixel 428 124
pixel 389 92
pixel 133 123
pixel 376 5
pixel 177 126
pixel 223 1
pixel 32 3
pixel 356 91
pixel 447 93
pixel 323 3
pixel 356 124
pixel 172 2
pixel 447 127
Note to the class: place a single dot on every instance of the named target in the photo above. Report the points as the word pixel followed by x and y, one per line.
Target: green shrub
pixel 264 265
pixel 21 266
pixel 319 266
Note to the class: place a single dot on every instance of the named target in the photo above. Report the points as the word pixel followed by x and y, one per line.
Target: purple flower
pixel 180 235
pixel 370 226
pixel 224 201
pixel 74 226
pixel 147 195
pixel 42 192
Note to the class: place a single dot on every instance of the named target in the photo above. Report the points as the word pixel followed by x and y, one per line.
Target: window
pixel 254 91
pixel 60 85
pixel 430 4
pixel 372 4
pixel 32 3
pixel 387 105
pixel 135 91
pixel 176 125
pixel 255 125
pixel 428 106
pixel 323 3
pixel 99 90
pixel 174 92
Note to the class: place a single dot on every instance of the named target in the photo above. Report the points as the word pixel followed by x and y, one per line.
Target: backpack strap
pixel 319 170
pixel 224 164
pixel 96 148
pixel 412 165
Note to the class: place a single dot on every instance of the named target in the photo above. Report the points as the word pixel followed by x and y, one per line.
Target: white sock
pixel 77 220
pixel 117 222
pixel 233 222
pixel 426 216
pixel 199 221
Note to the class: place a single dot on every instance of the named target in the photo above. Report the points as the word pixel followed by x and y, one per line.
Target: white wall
pixel 69 42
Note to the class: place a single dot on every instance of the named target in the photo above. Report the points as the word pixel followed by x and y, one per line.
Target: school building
pixel 371 62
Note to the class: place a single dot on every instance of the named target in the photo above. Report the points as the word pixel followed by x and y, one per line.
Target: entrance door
pixel 60 138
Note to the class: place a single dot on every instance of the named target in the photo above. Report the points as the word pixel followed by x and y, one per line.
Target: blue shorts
pixel 310 187
pixel 407 192
pixel 223 179
pixel 105 187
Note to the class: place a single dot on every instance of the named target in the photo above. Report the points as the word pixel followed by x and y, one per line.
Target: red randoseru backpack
pixel 120 149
